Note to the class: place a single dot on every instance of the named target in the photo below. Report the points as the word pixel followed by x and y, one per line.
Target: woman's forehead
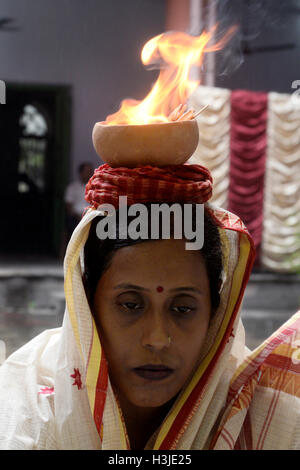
pixel 158 260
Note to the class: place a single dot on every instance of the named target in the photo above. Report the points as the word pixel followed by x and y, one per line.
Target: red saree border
pixel 100 393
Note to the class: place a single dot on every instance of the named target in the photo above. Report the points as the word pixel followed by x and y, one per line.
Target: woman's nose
pixel 155 333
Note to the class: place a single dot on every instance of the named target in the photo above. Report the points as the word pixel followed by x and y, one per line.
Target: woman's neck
pixel 142 422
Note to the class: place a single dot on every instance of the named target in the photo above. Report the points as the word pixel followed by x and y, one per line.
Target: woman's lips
pixel 153 372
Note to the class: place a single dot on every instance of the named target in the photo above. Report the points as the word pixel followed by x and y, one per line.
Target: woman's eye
pixel 131 305
pixel 130 302
pixel 182 309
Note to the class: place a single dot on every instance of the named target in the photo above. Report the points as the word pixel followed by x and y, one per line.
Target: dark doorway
pixel 34 164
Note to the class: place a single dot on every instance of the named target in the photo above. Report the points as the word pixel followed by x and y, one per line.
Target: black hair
pixel 99 253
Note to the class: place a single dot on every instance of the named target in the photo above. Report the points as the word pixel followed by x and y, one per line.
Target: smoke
pixel 252 18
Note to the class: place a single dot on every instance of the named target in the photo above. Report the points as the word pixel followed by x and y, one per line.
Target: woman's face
pixel 136 319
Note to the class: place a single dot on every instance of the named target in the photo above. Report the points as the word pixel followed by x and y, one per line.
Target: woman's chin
pixel 151 400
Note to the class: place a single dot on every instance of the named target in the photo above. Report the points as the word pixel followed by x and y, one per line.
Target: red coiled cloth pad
pixel 173 183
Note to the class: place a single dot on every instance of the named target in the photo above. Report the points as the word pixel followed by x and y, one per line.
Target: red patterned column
pixel 248 141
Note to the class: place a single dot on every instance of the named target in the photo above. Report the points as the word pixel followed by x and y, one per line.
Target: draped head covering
pixel 55 392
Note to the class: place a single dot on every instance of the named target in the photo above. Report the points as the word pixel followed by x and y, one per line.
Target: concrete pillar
pixel 193 16
pixel 178 15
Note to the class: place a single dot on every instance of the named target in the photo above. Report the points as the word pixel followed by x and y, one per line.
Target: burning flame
pixel 178 52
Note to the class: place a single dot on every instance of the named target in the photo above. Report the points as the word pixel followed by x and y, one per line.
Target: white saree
pixel 55 391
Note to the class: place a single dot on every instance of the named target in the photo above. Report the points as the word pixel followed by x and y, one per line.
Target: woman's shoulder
pixel 274 412
pixel 27 392
pixel 263 404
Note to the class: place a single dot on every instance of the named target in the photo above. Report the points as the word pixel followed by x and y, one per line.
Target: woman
pixel 152 303
pixel 151 354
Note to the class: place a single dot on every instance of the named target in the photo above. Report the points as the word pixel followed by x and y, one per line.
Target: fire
pixel 177 53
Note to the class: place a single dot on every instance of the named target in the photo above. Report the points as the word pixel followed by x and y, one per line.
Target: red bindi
pixel 159 289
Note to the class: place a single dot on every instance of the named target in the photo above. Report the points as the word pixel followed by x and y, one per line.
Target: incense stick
pixel 199 112
pixel 182 114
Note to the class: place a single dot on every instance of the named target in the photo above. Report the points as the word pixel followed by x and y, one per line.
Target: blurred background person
pixel 74 197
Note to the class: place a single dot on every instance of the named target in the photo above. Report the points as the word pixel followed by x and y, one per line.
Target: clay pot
pixel 149 144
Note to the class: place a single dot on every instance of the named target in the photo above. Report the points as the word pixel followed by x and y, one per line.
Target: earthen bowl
pixel 158 144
